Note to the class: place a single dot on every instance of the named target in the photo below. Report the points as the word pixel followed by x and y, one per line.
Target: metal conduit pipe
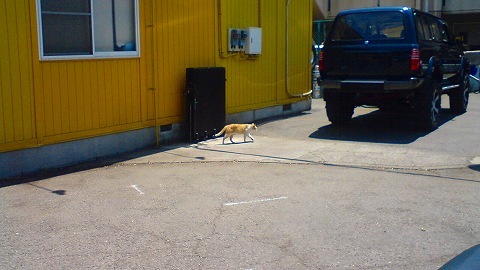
pixel 220 32
pixel 154 73
pixel 286 57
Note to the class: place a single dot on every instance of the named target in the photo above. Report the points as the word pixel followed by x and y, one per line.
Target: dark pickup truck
pixel 392 57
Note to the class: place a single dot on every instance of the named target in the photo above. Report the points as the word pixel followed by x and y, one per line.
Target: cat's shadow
pixel 234 143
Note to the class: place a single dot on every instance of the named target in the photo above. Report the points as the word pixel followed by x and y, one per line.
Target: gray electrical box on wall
pixel 247 40
pixel 234 37
pixel 253 44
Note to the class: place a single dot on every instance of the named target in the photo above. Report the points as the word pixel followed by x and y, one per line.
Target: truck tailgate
pixel 374 61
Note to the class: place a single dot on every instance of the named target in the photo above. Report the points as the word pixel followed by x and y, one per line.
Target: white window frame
pixel 95 54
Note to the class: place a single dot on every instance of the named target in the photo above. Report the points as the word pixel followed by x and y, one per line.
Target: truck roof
pixel 356 10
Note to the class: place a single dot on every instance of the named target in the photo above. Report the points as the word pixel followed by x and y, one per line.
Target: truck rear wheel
pixel 429 103
pixel 339 108
pixel 459 96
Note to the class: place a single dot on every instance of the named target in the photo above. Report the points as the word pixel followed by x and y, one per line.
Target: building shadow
pixel 32 178
pixel 475 167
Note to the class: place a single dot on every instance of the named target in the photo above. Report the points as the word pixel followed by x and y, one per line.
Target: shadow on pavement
pixel 268 120
pixel 475 167
pixel 379 127
pixel 57 192
pixel 89 165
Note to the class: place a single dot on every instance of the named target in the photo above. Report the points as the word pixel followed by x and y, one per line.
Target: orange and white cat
pixel 233 129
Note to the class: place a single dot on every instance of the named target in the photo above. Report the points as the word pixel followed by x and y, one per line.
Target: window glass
pixel 66 27
pixel 445 33
pixel 369 26
pixel 430 29
pixel 82 6
pixel 114 25
pixel 434 29
pixel 422 31
pixel 98 28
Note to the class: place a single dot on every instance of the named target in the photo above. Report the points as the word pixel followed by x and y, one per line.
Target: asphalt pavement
pixel 377 194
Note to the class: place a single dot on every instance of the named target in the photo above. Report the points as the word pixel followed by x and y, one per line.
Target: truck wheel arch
pixel 434 70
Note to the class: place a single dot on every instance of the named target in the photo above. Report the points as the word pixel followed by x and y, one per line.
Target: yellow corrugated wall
pixel 179 34
pixel 259 82
pixel 51 101
pixel 17 110
pixel 78 99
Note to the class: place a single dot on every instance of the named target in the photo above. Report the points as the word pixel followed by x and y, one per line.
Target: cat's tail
pixel 221 131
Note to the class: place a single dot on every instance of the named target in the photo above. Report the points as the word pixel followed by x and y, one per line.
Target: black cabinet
pixel 205 98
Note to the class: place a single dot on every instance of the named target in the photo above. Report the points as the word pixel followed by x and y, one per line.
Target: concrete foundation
pixel 251 116
pixel 22 162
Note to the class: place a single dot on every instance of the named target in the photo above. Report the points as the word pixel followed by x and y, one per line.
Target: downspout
pixel 154 73
pixel 286 58
pixel 259 3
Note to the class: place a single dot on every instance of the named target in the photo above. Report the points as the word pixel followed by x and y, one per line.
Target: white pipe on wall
pixel 286 58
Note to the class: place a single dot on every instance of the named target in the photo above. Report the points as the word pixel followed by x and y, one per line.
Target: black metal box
pixel 205 98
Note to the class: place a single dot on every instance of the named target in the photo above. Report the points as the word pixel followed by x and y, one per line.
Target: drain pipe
pixel 286 58
pixel 154 73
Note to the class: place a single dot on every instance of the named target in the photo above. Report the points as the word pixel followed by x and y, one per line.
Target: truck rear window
pixel 369 26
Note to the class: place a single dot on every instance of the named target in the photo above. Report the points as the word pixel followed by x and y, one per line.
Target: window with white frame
pixel 88 28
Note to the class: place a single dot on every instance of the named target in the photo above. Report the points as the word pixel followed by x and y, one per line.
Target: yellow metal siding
pixel 256 82
pixel 51 101
pixel 184 32
pixel 88 96
pixel 299 46
pixel 17 123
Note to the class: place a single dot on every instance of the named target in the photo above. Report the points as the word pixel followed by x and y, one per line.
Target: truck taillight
pixel 415 63
pixel 321 63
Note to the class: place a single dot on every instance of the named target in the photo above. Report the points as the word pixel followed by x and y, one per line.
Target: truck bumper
pixel 372 86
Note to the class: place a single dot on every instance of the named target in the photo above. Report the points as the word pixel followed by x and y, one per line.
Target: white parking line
pixel 256 201
pixel 137 189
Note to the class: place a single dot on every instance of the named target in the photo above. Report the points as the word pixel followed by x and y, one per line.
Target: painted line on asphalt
pixel 256 201
pixel 137 189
